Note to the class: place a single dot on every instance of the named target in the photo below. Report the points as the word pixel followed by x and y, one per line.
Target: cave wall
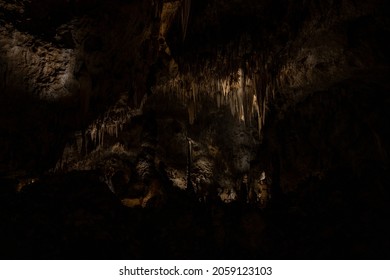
pixel 62 63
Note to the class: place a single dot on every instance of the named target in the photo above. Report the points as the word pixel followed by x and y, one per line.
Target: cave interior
pixel 204 129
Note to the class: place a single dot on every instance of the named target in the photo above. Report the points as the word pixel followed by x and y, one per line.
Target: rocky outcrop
pixel 78 55
pixel 70 59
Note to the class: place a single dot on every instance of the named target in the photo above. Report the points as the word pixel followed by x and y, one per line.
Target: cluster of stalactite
pixel 184 16
pixel 235 76
pixel 112 122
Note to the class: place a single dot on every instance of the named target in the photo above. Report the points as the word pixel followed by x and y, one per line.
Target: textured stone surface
pixel 71 60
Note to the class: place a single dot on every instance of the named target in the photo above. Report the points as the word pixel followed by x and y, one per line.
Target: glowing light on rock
pixel 244 91
pixel 113 121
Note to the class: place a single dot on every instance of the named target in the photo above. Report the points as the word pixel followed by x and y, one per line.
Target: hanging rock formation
pixel 192 129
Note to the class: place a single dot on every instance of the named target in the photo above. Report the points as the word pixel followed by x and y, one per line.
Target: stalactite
pixel 112 122
pixel 93 133
pixel 218 100
pixel 185 14
pixel 157 8
pixel 260 122
pixel 231 103
pixel 191 113
pixel 102 131
pixel 235 79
